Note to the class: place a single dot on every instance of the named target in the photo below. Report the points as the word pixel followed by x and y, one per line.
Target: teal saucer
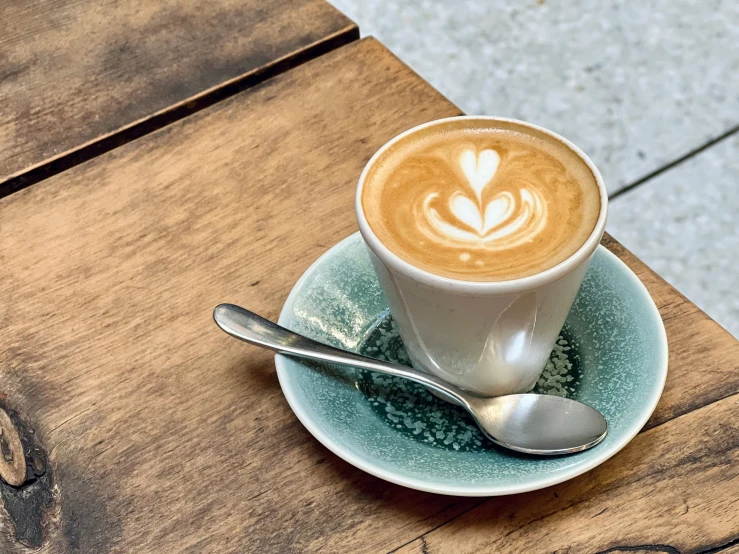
pixel 612 354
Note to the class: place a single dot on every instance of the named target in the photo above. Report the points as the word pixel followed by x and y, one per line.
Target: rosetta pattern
pixel 503 221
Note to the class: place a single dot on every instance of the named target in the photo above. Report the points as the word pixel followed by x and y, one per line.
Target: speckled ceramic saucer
pixel 612 354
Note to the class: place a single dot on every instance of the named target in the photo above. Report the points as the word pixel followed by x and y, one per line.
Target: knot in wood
pixel 12 458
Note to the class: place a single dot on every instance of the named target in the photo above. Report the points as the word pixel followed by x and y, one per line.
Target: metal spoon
pixel 530 423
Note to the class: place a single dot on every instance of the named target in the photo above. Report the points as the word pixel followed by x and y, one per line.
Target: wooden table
pixel 80 77
pixel 147 430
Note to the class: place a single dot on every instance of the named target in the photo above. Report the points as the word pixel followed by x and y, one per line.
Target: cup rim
pixel 460 286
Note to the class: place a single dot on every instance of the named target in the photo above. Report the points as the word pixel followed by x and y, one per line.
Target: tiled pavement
pixel 638 84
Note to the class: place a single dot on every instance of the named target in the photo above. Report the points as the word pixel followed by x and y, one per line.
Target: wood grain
pixel 165 435
pixel 79 77
pixel 12 457
pixel 673 490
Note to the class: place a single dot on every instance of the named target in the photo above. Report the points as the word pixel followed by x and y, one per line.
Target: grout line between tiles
pixel 678 161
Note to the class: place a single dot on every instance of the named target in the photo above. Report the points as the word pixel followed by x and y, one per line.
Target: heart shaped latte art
pixel 479 169
pixel 504 221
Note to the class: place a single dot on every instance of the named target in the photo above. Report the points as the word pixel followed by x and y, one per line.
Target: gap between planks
pixel 171 114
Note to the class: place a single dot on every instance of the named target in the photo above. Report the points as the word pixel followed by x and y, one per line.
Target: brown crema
pixel 479 200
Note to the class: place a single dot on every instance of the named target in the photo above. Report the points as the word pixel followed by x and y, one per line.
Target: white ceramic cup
pixel 490 338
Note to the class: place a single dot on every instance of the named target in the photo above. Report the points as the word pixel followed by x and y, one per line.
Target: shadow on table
pixel 502 517
pixel 399 515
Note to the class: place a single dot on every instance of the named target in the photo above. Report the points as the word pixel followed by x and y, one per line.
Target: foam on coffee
pixel 481 201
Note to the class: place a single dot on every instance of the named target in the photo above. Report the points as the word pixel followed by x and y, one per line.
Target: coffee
pixel 480 200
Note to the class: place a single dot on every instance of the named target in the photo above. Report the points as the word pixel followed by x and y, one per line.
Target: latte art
pixel 501 222
pixel 476 203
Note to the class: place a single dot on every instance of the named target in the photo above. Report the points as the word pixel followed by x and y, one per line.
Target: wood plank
pixel 673 490
pixel 162 434
pixel 79 77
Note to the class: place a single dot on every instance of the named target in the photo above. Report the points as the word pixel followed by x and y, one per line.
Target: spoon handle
pixel 249 327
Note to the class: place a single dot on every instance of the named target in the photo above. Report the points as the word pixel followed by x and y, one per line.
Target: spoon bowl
pixel 530 423
pixel 538 423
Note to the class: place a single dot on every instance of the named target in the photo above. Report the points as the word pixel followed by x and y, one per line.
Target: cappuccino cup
pixel 480 230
